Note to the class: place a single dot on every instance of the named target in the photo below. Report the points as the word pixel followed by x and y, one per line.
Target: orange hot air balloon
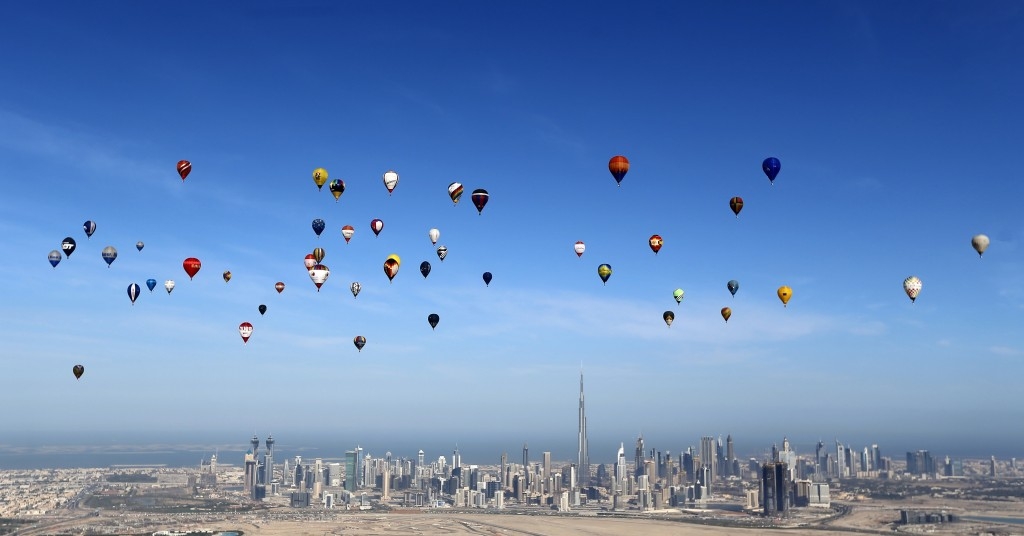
pixel 184 168
pixel 785 293
pixel 618 165
pixel 655 242
pixel 191 266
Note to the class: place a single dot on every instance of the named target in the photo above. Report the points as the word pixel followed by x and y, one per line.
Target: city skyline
pixel 896 127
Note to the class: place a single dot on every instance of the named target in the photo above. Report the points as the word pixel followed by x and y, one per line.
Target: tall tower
pixel 583 461
pixel 526 463
pixel 255 441
pixel 638 457
pixel 268 461
pixel 620 470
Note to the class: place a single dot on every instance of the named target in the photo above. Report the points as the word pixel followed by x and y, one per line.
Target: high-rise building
pixel 775 488
pixel 501 473
pixel 992 466
pixel 638 457
pixel 709 457
pixel 526 466
pixel 730 457
pixel 250 474
pixel 351 470
pixel 620 470
pixel 546 475
pixel 583 457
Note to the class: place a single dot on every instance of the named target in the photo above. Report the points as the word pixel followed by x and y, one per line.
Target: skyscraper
pixel 351 469
pixel 709 457
pixel 526 465
pixel 620 470
pixel 583 461
pixel 638 457
pixel 268 461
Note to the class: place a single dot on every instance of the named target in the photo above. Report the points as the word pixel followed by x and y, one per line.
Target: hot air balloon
pixel 245 330
pixel 433 319
pixel 377 226
pixel 771 167
pixel 54 258
pixel 319 177
pixel 425 269
pixel 319 273
pixel 68 246
pixel 678 295
pixel 309 261
pixel 726 313
pixel 133 292
pixel 337 187
pixel 979 243
pixel 655 242
pixel 579 247
pixel 434 234
pixel 279 286
pixel 618 165
pixel 355 287
pixel 480 197
pixel 390 180
pixel 263 309
pixel 487 279
pixel 604 272
pixel 785 293
pixel 227 275
pixel 391 265
pixel 139 245
pixel 89 227
pixel 360 342
pixel 318 254
pixel 78 370
pixel 668 316
pixel 184 168
pixel 733 286
pixel 442 252
pixel 169 285
pixel 912 286
pixel 318 226
pixel 151 284
pixel 455 191
pixel 109 254
pixel 191 266
pixel 736 204
pixel 347 232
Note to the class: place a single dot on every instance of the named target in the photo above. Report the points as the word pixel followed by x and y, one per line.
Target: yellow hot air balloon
pixel 320 177
pixel 726 313
pixel 785 293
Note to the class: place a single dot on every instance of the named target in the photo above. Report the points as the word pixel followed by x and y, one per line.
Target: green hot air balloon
pixel 678 295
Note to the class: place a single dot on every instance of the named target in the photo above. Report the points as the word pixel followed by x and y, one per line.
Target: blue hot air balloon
pixel 89 227
pixel 319 226
pixel 54 258
pixel 109 254
pixel 771 167
pixel 133 292
pixel 151 284
pixel 733 286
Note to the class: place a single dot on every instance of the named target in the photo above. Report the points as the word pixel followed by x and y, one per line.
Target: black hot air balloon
pixel 68 246
pixel 78 370
pixel 433 319
pixel 263 309
pixel 425 269
pixel 487 278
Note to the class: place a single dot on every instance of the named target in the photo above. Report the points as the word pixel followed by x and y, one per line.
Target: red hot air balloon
pixel 310 261
pixel 279 287
pixel 655 242
pixel 347 232
pixel 192 266
pixel 618 165
pixel 736 204
pixel 245 330
pixel 184 168
pixel 377 226
pixel 480 197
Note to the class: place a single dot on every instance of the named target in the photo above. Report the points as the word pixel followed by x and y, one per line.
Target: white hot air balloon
pixel 980 243
pixel 169 285
pixel 579 248
pixel 434 235
pixel 912 286
pixel 319 273
pixel 390 180
pixel 355 287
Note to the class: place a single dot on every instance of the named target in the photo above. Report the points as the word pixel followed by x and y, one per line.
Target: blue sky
pixel 897 125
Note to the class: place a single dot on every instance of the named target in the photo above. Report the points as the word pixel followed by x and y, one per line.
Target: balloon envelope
pixel 480 197
pixel 337 187
pixel 319 274
pixel 655 242
pixel 151 284
pixel 579 247
pixel 184 168
pixel 78 370
pixel 771 167
pixel 736 204
pixel 139 245
pixel 434 234
pixel 319 254
pixel 89 227
pixel 618 166
pixel 133 292
pixel 425 269
pixel 391 268
pixel 487 278
pixel 442 252
pixel 279 286
pixel 318 226
pixel 319 177
pixel 785 293
pixel 54 258
pixel 390 180
pixel 227 275
pixel 68 246
pixel 377 225
pixel 726 313
pixel 263 309
pixel 169 285
pixel 455 191
pixel 191 266
pixel 980 243
pixel 433 319
pixel 604 272
pixel 912 286
pixel 245 330
pixel 668 317
pixel 360 342
pixel 355 287
pixel 347 232
pixel 733 286
pixel 109 254
pixel 309 261
pixel 678 295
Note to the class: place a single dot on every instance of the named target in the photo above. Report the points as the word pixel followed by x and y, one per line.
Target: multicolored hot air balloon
pixel 655 242
pixel 377 225
pixel 347 232
pixel 771 167
pixel 191 266
pixel 319 177
pixel 726 313
pixel 434 234
pixel 355 287
pixel 425 269
pixel 785 293
pixel 184 168
pixel 480 197
pixel 279 286
pixel 442 252
pixel 455 191
pixel 54 258
pixel 78 370
pixel 360 342
pixel 604 272
pixel 89 227
pixel 980 243
pixel 579 247
pixel 337 187
pixel 318 254
pixel 390 178
pixel 245 330
pixel 318 226
pixel 310 261
pixel 487 279
pixel 433 320
pixel 668 317
pixel 736 204
pixel 169 285
pixel 733 286
pixel 912 286
pixel 133 292
pixel 109 254
pixel 618 165
pixel 227 275
pixel 319 274
pixel 391 265
pixel 151 284
pixel 68 246
pixel 678 295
